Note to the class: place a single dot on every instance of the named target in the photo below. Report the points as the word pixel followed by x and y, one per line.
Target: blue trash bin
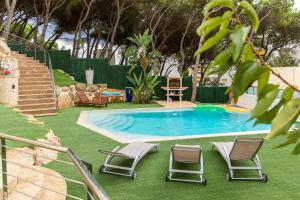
pixel 129 94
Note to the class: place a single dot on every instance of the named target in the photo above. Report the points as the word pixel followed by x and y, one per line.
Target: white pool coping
pixel 120 137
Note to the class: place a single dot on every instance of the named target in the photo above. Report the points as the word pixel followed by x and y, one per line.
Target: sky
pixel 297 4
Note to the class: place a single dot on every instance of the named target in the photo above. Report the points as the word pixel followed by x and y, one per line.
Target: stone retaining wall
pixel 66 96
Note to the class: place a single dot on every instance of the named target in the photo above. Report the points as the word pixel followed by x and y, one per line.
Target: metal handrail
pixel 36 47
pixel 88 179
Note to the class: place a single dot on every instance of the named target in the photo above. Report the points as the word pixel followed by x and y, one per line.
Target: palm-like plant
pixel 139 55
pixel 143 87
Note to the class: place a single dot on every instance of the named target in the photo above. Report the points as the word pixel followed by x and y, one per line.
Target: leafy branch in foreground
pixel 237 24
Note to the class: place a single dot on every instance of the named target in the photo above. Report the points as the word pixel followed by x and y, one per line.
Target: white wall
pixel 291 74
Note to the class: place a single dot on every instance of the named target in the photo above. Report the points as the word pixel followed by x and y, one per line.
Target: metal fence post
pixel 35 52
pixel 89 167
pixel 4 169
pixel 45 59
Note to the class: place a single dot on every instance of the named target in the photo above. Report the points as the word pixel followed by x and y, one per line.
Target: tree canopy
pixel 172 25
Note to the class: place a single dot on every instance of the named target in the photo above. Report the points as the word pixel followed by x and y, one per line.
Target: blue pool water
pixel 184 122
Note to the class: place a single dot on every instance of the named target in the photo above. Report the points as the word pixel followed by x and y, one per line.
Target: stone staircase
pixel 36 92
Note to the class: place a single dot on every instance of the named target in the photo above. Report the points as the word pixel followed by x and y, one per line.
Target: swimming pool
pixel 165 124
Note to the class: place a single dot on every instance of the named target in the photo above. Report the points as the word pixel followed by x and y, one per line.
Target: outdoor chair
pixel 134 151
pixel 96 101
pixel 241 150
pixel 191 154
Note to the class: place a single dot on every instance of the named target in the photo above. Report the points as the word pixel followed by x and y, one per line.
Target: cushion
pixel 115 93
pixel 105 93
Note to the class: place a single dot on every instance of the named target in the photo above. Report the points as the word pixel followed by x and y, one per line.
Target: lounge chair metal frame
pixel 231 168
pixel 199 172
pixel 128 171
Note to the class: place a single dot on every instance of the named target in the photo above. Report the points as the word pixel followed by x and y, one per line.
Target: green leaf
pixel 217 3
pixel 221 58
pixel 266 89
pixel 238 37
pixel 287 94
pixel 292 137
pixel 212 41
pixel 223 22
pixel 285 118
pixel 263 81
pixel 296 150
pixel 246 74
pixel 264 103
pixel 213 22
pixel 248 54
pixel 267 117
pixel 226 19
pixel 250 11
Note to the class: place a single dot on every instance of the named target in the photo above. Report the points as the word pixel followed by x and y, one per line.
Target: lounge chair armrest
pixel 112 152
pixel 226 152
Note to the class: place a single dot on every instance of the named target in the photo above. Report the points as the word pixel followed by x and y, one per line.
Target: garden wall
pixel 115 77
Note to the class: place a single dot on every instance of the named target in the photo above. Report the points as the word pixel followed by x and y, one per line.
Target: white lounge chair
pixel 242 149
pixel 134 151
pixel 186 154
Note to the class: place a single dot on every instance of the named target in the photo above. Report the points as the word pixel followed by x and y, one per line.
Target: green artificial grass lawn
pixel 62 79
pixel 282 168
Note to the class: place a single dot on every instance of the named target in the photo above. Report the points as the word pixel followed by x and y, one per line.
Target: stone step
pixel 23 58
pixel 32 66
pixel 32 71
pixel 33 87
pixel 40 111
pixel 35 71
pixel 35 96
pixel 36 91
pixel 36 101
pixel 22 62
pixel 37 106
pixel 36 83
pixel 46 114
pixel 17 55
pixel 33 75
pixel 25 79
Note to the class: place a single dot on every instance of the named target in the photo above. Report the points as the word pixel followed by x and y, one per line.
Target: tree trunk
pixel 77 47
pixel 114 31
pixel 96 46
pixel 23 27
pixel 195 72
pixel 44 30
pixel 2 16
pixel 83 17
pixel 10 7
pixel 74 43
pixel 54 40
pixel 49 10
pixel 182 53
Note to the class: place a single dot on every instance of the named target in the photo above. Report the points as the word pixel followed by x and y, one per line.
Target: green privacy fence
pixel 29 50
pixel 212 95
pixel 61 60
pixel 115 76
